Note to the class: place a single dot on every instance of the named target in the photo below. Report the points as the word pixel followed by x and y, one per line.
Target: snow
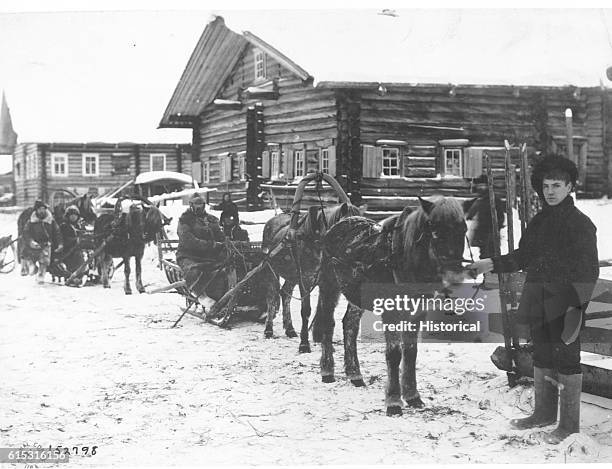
pixel 92 366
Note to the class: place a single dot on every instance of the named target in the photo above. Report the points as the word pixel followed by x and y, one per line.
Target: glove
pixel 572 323
pixel 34 245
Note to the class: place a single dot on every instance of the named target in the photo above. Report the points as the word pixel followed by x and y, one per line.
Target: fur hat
pixel 196 199
pixel 39 204
pixel 557 166
pixel 70 210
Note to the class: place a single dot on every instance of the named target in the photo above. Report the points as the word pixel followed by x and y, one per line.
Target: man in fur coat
pixel 41 234
pixel 200 252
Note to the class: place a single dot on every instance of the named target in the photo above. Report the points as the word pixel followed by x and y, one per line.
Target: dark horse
pixel 423 246
pixel 130 234
pixel 299 265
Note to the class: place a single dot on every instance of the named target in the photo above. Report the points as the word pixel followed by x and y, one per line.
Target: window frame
pixel 84 157
pixel 257 61
pixel 301 153
pixel 324 160
pixel 445 160
pixel 54 162
pixel 241 166
pixel 397 161
pixel 154 155
pixel 128 156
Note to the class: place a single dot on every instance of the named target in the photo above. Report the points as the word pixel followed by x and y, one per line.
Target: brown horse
pixel 130 234
pixel 299 265
pixel 423 246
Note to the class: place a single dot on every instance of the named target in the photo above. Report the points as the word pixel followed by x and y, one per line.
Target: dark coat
pixel 72 255
pixel 43 231
pixel 228 209
pixel 559 253
pixel 197 236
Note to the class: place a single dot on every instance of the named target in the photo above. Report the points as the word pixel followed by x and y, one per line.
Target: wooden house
pixel 42 170
pixel 260 121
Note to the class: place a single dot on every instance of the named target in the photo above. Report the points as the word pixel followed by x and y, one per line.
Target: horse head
pixel 319 220
pixel 135 221
pixel 437 230
pixel 86 208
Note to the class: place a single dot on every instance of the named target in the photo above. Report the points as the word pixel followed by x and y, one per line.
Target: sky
pixel 107 74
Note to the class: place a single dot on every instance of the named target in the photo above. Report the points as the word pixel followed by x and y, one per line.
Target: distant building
pixel 43 170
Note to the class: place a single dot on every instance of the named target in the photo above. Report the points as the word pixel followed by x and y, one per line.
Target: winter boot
pixel 546 400
pixel 42 270
pixel 569 419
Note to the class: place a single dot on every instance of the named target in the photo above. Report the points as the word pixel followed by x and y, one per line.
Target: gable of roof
pixel 214 56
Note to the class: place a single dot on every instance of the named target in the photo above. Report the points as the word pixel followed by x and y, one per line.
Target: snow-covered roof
pixel 153 176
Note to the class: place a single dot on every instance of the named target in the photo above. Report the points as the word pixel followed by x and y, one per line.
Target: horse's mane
pixel 445 211
pixel 318 220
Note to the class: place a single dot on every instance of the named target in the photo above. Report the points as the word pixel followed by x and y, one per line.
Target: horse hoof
pixel 304 348
pixel 328 379
pixel 268 334
pixel 290 333
pixel 394 410
pixel 415 403
pixel 106 286
pixel 128 292
pixel 358 383
pixel 141 290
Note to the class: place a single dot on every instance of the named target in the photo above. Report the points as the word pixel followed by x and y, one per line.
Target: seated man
pixel 232 230
pixel 40 234
pixel 200 252
pixel 72 255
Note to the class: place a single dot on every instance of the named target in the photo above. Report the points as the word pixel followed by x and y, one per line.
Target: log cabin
pixel 44 170
pixel 260 121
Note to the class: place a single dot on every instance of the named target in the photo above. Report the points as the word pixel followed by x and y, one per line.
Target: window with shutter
pixel 453 165
pixel 390 162
pixel 275 164
pixel 242 166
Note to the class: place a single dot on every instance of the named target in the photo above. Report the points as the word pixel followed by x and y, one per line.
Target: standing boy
pixel 559 253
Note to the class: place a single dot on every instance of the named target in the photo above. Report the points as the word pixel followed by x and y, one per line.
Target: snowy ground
pixel 91 366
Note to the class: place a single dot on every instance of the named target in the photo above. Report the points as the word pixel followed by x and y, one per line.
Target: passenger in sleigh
pixel 72 256
pixel 232 229
pixel 558 251
pixel 201 253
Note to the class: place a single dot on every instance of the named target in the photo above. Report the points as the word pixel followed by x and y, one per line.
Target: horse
pixel 480 229
pixel 423 246
pixel 299 266
pixel 85 205
pixel 129 238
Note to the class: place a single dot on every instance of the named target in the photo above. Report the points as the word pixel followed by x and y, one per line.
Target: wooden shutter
pixel 368 161
pixel 222 169
pixel 196 170
pixel 331 152
pixel 440 161
pixel 472 162
pixel 289 161
pixel 265 164
pixel 228 168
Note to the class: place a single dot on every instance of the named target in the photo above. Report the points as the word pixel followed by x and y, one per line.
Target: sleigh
pixel 241 258
pixel 7 254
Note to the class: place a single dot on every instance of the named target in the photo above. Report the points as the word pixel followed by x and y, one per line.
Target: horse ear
pixel 426 205
pixel 467 204
pixel 344 209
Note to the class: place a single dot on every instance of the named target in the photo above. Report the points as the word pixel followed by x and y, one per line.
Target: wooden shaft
pixel 497 251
